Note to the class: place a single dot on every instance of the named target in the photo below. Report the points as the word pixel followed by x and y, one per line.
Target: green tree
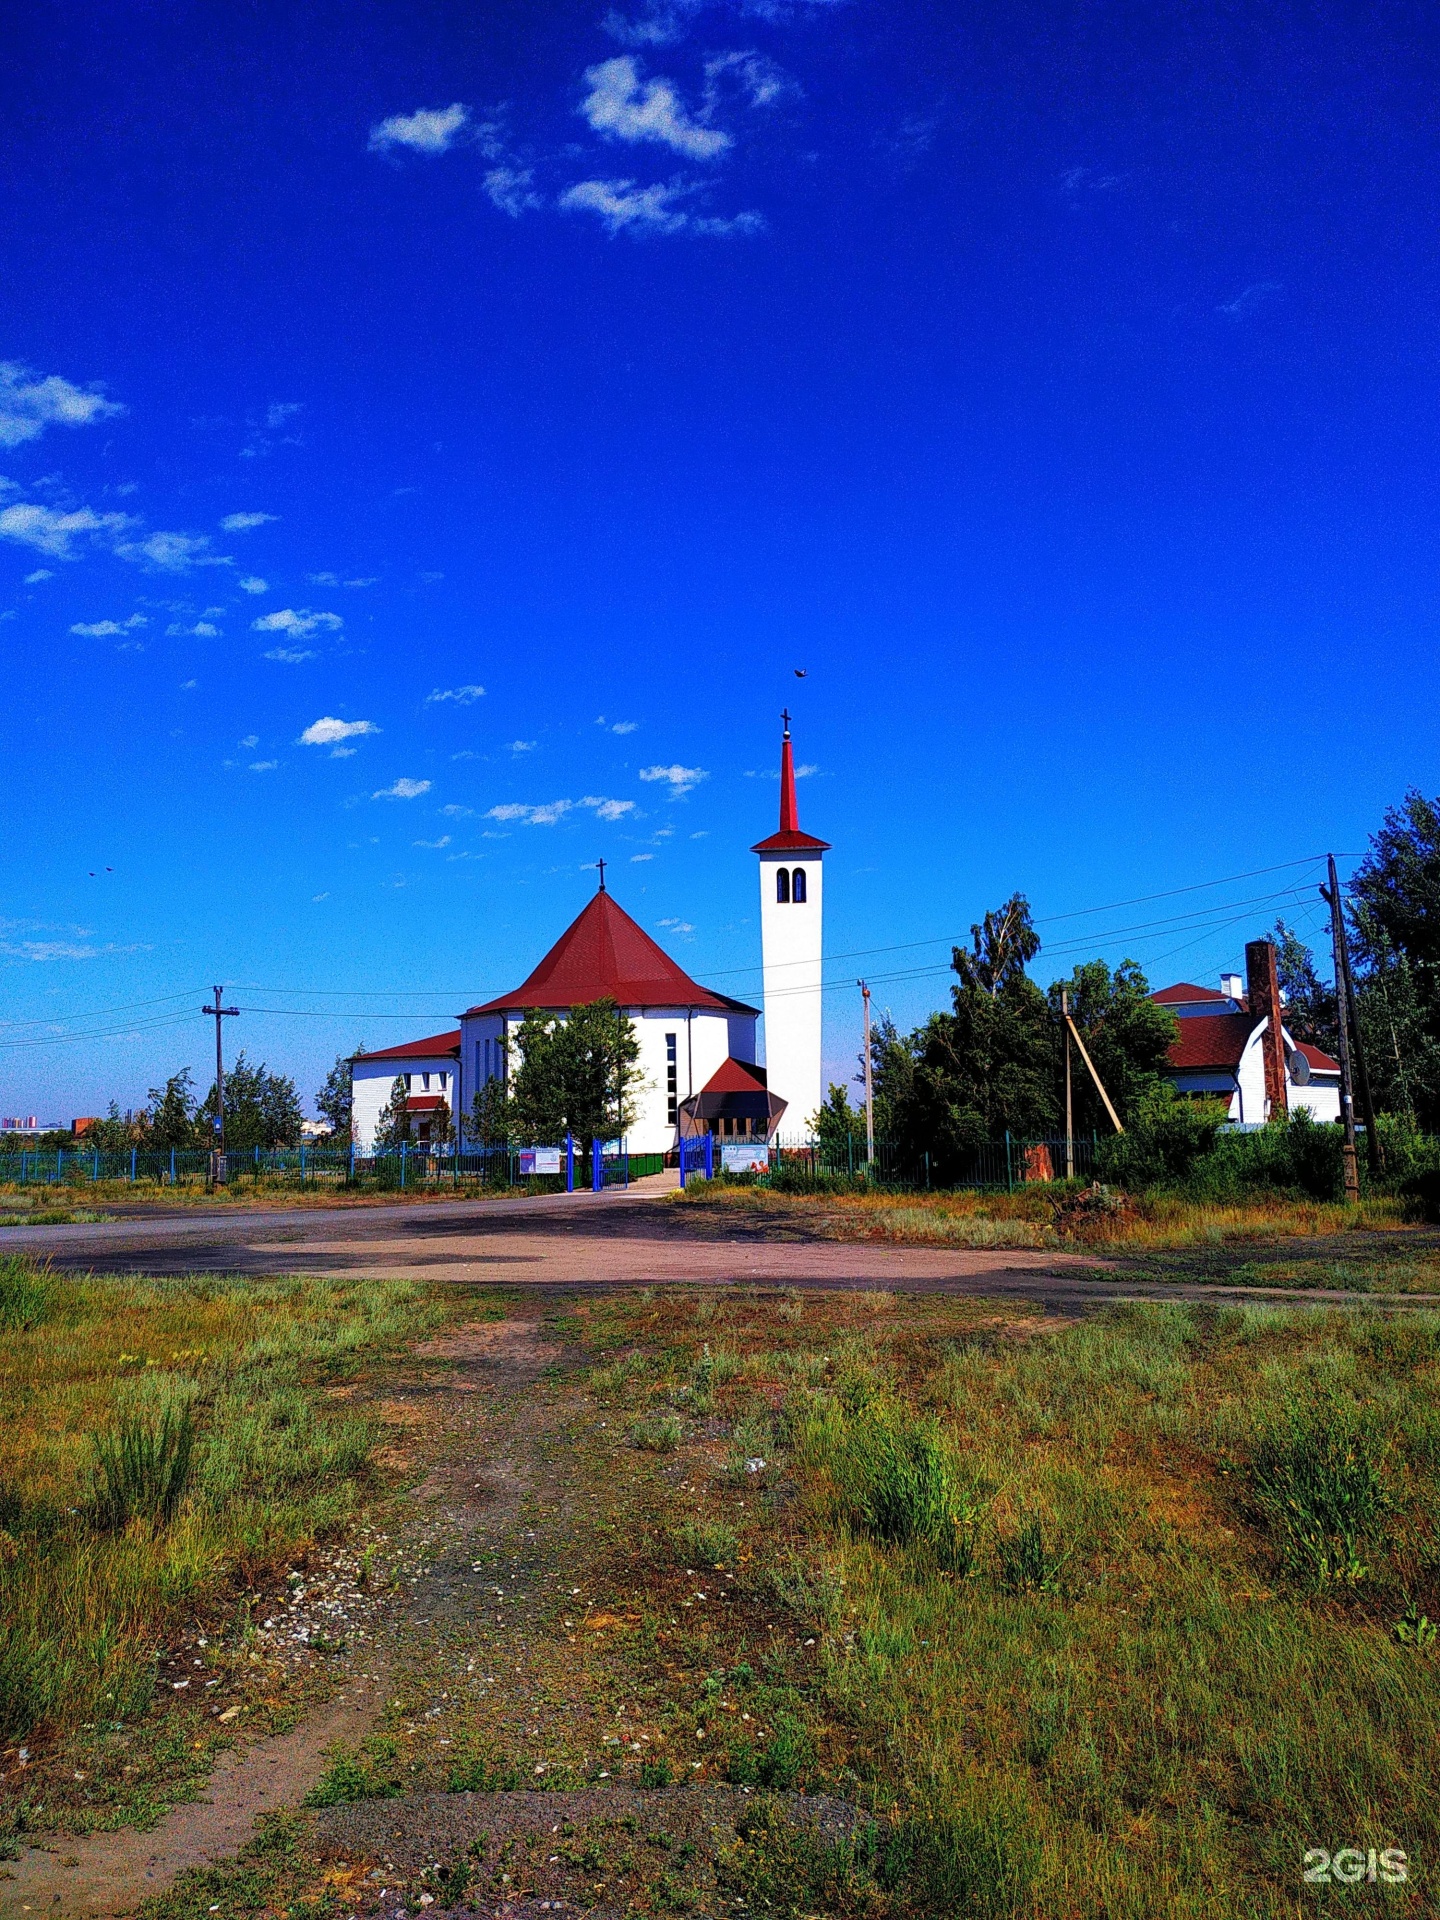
pixel 840 1128
pixel 1126 1035
pixel 170 1121
pixel 1394 901
pixel 262 1109
pixel 441 1124
pixel 577 1074
pixel 492 1118
pixel 392 1129
pixel 116 1132
pixel 1309 1003
pixel 334 1101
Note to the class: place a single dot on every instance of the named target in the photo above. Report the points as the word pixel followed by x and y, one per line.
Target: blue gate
pixel 697 1155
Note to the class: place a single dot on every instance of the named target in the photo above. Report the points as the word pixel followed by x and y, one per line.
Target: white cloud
pixel 291 656
pixel 315 897
pixel 323 579
pixel 430 130
pixel 608 809
pixel 434 846
pixel 455 812
pixel 102 629
pixel 172 552
pixel 624 206
pixel 328 731
pixel 679 779
pixel 252 583
pixel 676 926
pixel 30 402
pixel 250 740
pixel 625 726
pixel 758 80
pixel 512 189
pixel 621 204
pixel 368 581
pixel 243 522
pixel 403 790
pixel 462 696
pixel 636 858
pixel 40 573
pixel 628 108
pixel 263 766
pixel 523 746
pixel 54 532
pixel 299 622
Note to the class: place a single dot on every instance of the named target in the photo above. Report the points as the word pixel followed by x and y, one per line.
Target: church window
pixel 408 1078
pixel 672 1080
pixel 480 1077
pixel 797 887
pixel 425 1081
pixel 782 885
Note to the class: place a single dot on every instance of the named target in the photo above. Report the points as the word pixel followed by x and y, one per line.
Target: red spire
pixel 789 812
pixel 789 839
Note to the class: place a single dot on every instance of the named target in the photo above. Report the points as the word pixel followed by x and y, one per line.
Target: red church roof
pixel 433 1049
pixel 789 839
pixel 736 1076
pixel 604 955
pixel 1211 1040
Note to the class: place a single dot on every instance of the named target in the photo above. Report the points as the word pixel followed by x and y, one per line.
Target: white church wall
pixel 791 946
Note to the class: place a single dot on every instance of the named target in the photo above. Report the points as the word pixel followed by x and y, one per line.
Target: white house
pixel 1225 1050
pixel 429 1070
pixel 698 1068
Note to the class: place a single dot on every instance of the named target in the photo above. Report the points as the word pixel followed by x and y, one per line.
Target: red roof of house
pixel 1218 1039
pixel 1184 995
pixel 789 839
pixel 435 1048
pixel 735 1076
pixel 423 1102
pixel 1211 1040
pixel 604 955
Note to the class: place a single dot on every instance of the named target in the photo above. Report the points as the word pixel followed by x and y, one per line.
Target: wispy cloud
pixel 660 23
pixel 434 846
pixel 40 573
pixel 462 696
pixel 30 402
pixel 173 552
pixel 252 583
pixel 523 746
pixel 103 629
pixel 512 189
pixel 328 731
pixel 754 78
pixel 548 813
pixel 263 766
pixel 58 533
pixel 681 780
pixel 456 812
pixel 403 789
pixel 291 656
pixel 616 726
pixel 430 130
pixel 243 522
pixel 624 107
pixel 636 859
pixel 676 926
pixel 626 207
pixel 298 622
pixel 1244 303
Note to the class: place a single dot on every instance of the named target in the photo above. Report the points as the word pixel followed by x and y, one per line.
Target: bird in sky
pixel 800 672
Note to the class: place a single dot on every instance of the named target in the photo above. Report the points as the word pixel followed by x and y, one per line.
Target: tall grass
pixel 1316 1471
pixel 25 1294
pixel 161 1438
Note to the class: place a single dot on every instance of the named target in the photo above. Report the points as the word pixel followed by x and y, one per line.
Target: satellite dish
pixel 1299 1069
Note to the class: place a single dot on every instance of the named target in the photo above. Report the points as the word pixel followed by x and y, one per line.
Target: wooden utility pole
pixel 217 1158
pixel 1090 1068
pixel 1374 1150
pixel 1069 1099
pixel 1348 1162
pixel 869 1084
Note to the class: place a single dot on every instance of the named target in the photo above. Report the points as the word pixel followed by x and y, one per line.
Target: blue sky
pixel 1054 384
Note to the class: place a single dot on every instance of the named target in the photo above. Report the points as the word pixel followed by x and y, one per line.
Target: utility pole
pixel 217 1013
pixel 1347 1096
pixel 1069 1103
pixel 1374 1150
pixel 869 1084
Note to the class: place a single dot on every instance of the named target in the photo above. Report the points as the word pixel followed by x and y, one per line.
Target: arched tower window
pixel 797 886
pixel 782 885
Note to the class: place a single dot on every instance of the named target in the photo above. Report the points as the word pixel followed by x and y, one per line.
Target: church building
pixel 698 1069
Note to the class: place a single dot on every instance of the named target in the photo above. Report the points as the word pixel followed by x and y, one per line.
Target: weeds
pixel 356 1774
pixel 1027 1564
pixel 26 1292
pixel 657 1433
pixel 1315 1473
pixel 144 1469
pixel 707 1543
pixel 908 1489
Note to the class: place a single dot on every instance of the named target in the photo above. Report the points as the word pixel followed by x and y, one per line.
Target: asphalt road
pixel 598 1241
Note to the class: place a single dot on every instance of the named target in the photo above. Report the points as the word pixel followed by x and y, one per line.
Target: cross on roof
pixel 785 716
pixel 601 864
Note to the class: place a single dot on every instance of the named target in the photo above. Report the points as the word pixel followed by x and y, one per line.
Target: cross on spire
pixel 601 864
pixel 785 716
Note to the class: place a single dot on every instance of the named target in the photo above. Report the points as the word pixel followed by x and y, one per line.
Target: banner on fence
pixel 744 1156
pixel 540 1160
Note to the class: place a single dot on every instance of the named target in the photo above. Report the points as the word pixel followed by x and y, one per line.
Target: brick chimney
pixel 1264 992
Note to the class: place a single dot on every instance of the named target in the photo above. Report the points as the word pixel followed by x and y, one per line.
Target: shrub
pixel 655 1772
pixel 1315 1475
pixel 660 1433
pixel 785 1756
pixel 144 1469
pixel 1027 1564
pixel 910 1490
pixel 352 1776
pixel 25 1293
pixel 1164 1143
pixel 707 1543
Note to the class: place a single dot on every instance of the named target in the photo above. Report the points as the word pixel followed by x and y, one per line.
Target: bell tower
pixel 792 894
